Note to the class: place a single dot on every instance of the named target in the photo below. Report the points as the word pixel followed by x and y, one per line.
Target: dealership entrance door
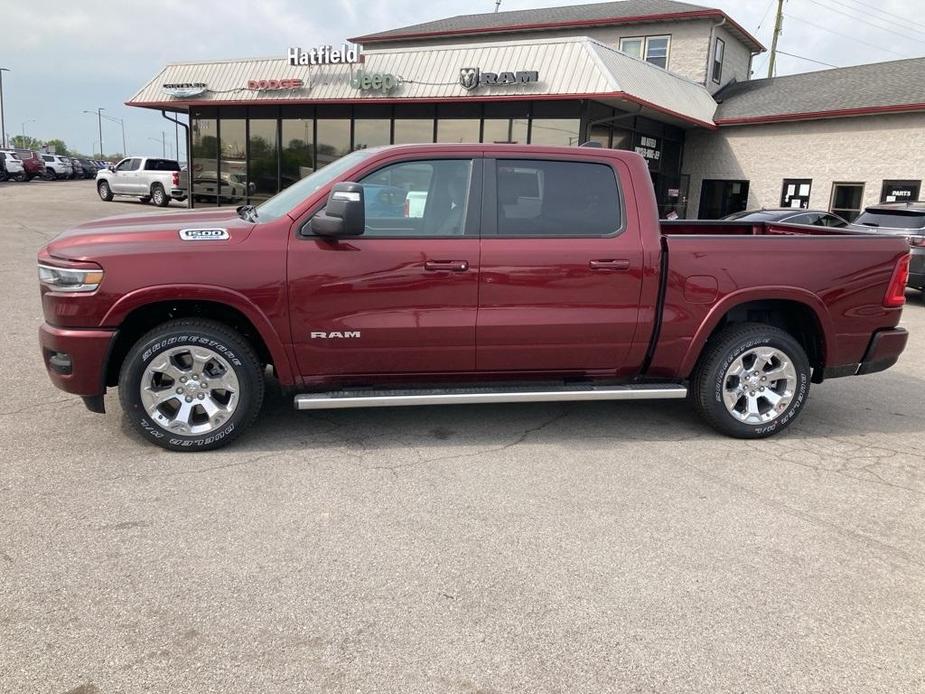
pixel 720 198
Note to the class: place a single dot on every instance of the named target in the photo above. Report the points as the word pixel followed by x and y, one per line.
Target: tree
pixel 25 142
pixel 58 146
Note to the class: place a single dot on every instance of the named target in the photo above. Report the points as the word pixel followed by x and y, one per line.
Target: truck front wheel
pixel 752 381
pixel 105 192
pixel 191 385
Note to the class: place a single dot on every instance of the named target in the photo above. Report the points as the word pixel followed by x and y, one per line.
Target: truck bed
pixel 841 275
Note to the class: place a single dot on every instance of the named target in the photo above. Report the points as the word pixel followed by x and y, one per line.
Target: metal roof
pixel 896 85
pixel 573 66
pixel 593 14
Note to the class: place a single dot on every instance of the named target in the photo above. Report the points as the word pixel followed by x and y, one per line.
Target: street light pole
pixel 2 118
pixel 31 120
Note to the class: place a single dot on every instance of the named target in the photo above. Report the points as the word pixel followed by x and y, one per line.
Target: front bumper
pixel 76 359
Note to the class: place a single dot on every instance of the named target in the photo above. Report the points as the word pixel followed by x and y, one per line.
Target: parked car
pixel 32 163
pixel 790 215
pixel 77 168
pixel 13 169
pixel 90 168
pixel 145 178
pixel 58 166
pixel 206 188
pixel 584 297
pixel 904 219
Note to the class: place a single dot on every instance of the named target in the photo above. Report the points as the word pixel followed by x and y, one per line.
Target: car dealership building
pixel 667 79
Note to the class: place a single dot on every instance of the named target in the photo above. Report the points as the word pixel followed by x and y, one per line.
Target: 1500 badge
pixel 204 234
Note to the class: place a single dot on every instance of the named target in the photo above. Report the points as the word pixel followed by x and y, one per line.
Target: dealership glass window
pixel 333 140
pixel 847 200
pixel 204 156
pixel 458 129
pixel 652 49
pixel 297 151
pixel 584 197
pixel 413 130
pixel 555 131
pixel 622 139
pixel 371 132
pixel 795 192
pixel 263 151
pixel 719 51
pixel 232 178
pixel 900 191
pixel 418 198
pixel 506 123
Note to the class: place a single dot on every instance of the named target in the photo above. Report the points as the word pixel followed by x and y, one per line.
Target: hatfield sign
pixel 325 55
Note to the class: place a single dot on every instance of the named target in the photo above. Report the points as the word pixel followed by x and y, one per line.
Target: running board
pixel 481 395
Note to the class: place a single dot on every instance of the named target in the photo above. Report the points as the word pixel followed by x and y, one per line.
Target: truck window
pixel 557 198
pixel 161 165
pixel 418 198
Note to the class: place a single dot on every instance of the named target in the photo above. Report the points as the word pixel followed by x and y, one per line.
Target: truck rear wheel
pixel 159 195
pixel 752 381
pixel 191 385
pixel 104 191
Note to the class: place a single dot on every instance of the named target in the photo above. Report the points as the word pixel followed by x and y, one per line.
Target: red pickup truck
pixel 427 274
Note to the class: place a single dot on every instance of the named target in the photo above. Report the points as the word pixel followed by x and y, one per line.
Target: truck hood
pixel 142 233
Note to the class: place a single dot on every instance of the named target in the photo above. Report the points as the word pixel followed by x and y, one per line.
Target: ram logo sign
pixel 204 234
pixel 337 334
pixel 472 77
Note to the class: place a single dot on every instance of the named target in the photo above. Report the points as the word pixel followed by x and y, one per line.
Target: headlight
pixel 66 279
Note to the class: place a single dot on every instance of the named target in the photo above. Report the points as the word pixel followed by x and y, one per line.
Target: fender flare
pixel 744 296
pixel 203 292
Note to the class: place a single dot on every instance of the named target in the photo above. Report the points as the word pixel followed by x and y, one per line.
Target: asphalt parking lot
pixel 591 547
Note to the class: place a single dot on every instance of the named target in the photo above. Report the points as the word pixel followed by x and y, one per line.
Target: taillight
pixel 176 179
pixel 896 291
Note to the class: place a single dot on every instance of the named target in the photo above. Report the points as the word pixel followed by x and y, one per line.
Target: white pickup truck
pixel 146 178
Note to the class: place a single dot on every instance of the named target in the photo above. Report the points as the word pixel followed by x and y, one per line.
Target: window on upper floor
pixel 719 52
pixel 652 49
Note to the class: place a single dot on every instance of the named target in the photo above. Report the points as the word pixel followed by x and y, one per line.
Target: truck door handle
pixel 444 265
pixel 609 264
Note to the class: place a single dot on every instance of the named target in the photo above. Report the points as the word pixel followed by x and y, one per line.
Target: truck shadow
pixel 839 408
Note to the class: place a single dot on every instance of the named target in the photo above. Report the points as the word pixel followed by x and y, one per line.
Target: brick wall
pixel 868 149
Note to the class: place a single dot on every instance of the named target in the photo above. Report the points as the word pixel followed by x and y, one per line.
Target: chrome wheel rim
pixel 190 390
pixel 759 385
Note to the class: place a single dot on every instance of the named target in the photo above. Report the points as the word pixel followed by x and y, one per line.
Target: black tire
pixel 214 336
pixel 708 380
pixel 144 199
pixel 159 195
pixel 104 191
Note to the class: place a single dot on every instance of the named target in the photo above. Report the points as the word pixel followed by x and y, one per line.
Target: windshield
pixel 288 199
pixel 753 216
pixel 899 219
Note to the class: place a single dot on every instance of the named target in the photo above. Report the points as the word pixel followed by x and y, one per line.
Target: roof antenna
pixel 497 5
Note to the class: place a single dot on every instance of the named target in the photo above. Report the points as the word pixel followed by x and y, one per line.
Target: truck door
pixel 562 267
pixel 401 298
pixel 124 176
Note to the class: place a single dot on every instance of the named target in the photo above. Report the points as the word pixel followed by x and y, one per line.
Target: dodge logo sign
pixel 472 77
pixel 469 78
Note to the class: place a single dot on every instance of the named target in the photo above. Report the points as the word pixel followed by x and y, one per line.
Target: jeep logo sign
pixel 472 77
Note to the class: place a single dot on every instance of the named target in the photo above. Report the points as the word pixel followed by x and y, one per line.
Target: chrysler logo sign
pixel 472 77
pixel 184 90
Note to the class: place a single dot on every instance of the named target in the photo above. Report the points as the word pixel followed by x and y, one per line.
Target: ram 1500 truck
pixel 519 273
pixel 146 178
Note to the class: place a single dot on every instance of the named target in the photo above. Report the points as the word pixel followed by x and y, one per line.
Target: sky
pixel 67 57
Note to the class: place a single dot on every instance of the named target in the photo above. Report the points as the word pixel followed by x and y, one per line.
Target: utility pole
pixel 497 5
pixel 2 119
pixel 778 25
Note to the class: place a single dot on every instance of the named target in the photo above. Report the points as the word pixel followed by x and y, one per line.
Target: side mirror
pixel 344 214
